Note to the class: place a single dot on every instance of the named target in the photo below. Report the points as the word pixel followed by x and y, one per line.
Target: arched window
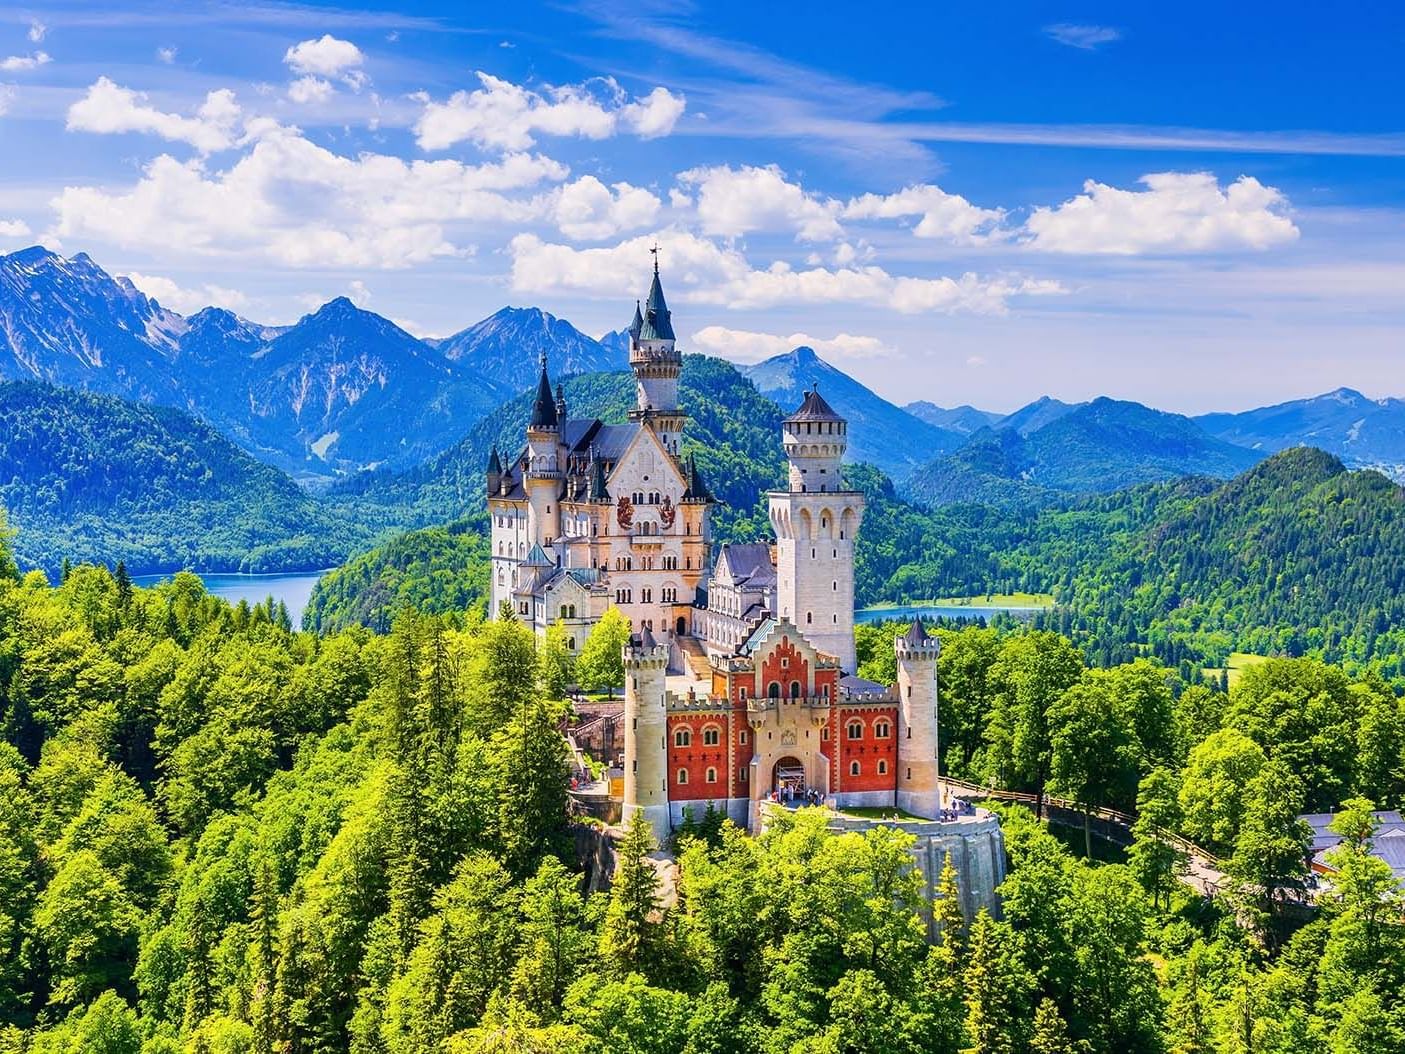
pixel 712 736
pixel 882 767
pixel 682 776
pixel 853 770
pixel 855 729
pixel 683 738
pixel 774 689
pixel 881 730
pixel 795 689
pixel 711 775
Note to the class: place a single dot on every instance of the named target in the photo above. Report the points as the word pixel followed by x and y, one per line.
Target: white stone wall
pixel 645 739
pixel 918 789
pixel 815 566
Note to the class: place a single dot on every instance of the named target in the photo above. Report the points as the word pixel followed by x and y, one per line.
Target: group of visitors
pixel 959 807
pixel 791 796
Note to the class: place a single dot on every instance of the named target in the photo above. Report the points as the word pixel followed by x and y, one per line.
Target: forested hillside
pixel 91 478
pixel 220 835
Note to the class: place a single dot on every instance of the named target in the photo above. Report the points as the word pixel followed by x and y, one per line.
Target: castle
pixel 741 678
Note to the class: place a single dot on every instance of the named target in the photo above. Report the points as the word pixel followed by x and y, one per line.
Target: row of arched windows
pixel 882 728
pixel 855 769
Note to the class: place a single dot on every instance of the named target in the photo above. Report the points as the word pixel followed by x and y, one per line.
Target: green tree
pixel 631 932
pixel 1153 858
pixel 1094 754
pixel 89 926
pixel 1271 850
pixel 1214 790
pixel 531 763
pixel 998 990
pixel 600 666
pixel 558 662
pixel 556 939
pixel 1050 1033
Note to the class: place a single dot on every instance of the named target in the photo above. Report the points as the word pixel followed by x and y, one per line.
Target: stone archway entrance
pixel 788 774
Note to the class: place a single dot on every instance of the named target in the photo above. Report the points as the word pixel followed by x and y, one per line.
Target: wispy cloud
pixel 1086 38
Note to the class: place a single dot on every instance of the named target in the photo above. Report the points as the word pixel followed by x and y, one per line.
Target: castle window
pixel 741 694
pixel 682 776
pixel 909 773
pixel 712 736
pixel 741 774
pixel 711 775
pixel 774 689
pixel 795 689
pixel 855 729
pixel 881 729
pixel 882 767
pixel 741 736
pixel 824 733
pixel 854 768
pixel 683 738
pixel 809 617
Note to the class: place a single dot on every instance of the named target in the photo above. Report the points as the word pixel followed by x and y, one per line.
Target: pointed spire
pixel 494 462
pixel 917 634
pixel 638 323
pixel 544 407
pixel 560 402
pixel 597 478
pixel 658 322
pixel 697 488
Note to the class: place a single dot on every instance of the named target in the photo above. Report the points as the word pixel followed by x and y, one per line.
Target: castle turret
pixel 654 358
pixel 494 473
pixel 918 790
pixel 816 521
pixel 542 480
pixel 646 732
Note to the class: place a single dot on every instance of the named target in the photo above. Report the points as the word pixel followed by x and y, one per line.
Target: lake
pixel 294 590
pixel 931 611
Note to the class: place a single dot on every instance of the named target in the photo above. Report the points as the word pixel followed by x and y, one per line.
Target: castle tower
pixel 816 521
pixel 542 480
pixel 918 790
pixel 656 364
pixel 645 732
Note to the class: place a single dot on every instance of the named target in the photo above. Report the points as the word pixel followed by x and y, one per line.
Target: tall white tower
pixel 645 732
pixel 918 791
pixel 542 480
pixel 816 521
pixel 656 364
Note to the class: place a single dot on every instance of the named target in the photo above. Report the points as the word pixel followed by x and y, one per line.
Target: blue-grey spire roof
pixel 494 462
pixel 638 323
pixel 658 324
pixel 538 558
pixel 544 407
pixel 814 408
pixel 917 634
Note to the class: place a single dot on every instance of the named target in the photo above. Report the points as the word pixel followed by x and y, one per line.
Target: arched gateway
pixel 788 774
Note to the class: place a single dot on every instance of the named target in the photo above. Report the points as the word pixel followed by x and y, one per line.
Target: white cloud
pixel 310 89
pixel 1179 212
pixel 7 94
pixel 328 57
pixel 704 272
pixel 108 108
pixel 505 116
pixel 186 301
pixel 14 229
pixel 24 63
pixel 740 345
pixel 589 210
pixel 734 201
pixel 296 204
pixel 37 30
pixel 949 217
pixel 1086 38
pixel 166 56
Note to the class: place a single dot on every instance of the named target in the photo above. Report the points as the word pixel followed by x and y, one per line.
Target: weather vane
pixel 655 251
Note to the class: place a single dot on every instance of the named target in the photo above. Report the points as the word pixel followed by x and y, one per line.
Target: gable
pixel 646 467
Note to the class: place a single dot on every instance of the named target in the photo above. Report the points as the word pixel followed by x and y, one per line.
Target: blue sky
pixel 1202 210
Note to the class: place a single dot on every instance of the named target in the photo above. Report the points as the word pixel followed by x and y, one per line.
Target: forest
pixel 220 834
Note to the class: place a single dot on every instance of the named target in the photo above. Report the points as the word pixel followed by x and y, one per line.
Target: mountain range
pixel 880 433
pixel 341 390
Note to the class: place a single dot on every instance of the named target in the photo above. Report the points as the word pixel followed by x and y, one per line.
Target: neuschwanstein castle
pixel 740 676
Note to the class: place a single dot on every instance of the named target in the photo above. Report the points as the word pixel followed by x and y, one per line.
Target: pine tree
pixel 124 586
pixel 263 950
pixel 998 988
pixel 629 935
pixel 1050 1032
pixel 947 916
pixel 200 985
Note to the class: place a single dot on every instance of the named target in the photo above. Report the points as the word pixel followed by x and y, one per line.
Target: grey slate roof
pixel 814 408
pixel 917 634
pixel 544 406
pixel 658 322
pixel 746 560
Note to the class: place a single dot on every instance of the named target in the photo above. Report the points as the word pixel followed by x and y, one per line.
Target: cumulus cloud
pixel 1085 38
pixel 501 115
pixel 310 89
pixel 734 201
pixel 589 210
pixel 702 271
pixel 949 217
pixel 37 30
pixel 328 57
pixel 14 229
pixel 187 301
pixel 24 63
pixel 108 108
pixel 293 203
pixel 1179 212
pixel 166 56
pixel 740 345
